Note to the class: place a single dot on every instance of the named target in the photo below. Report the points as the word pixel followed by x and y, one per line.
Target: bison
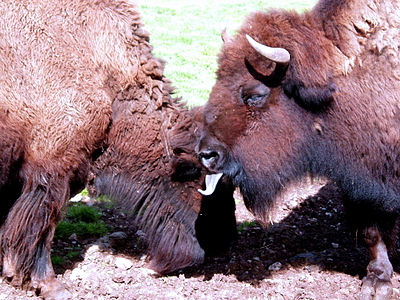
pixel 83 100
pixel 314 93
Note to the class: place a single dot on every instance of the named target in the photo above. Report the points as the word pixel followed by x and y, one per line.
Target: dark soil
pixel 307 253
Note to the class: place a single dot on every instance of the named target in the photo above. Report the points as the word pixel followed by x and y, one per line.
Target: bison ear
pixel 312 96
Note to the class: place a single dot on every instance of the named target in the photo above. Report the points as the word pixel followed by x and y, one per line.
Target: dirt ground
pixel 307 253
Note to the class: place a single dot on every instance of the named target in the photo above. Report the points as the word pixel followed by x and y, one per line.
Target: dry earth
pixel 307 253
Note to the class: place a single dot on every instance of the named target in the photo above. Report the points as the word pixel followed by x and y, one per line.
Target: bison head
pixel 264 108
pixel 149 167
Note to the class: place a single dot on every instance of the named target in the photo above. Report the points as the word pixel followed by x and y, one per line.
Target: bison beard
pixel 83 99
pixel 334 114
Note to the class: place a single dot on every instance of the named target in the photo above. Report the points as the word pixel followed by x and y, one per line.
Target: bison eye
pixel 255 100
pixel 254 95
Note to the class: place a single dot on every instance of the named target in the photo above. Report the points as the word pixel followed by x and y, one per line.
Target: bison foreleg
pixel 377 284
pixel 28 232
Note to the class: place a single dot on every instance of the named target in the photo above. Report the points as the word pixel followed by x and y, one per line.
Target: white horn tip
pixel 278 55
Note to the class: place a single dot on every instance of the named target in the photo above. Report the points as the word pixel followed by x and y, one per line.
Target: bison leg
pixel 11 152
pixel 377 284
pixel 27 234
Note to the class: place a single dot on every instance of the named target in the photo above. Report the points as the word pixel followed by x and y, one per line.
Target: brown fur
pixel 83 98
pixel 335 112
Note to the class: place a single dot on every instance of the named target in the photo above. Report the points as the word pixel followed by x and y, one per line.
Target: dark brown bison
pixel 314 93
pixel 83 99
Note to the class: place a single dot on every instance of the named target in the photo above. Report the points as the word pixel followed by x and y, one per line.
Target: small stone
pixel 292 204
pixel 335 245
pixel 77 274
pixel 77 198
pixel 308 257
pixel 92 249
pixel 140 233
pixel 117 239
pixel 275 266
pixel 312 268
pixel 123 263
pixel 147 272
pixel 73 237
pixel 119 278
pixel 143 257
pixel 118 235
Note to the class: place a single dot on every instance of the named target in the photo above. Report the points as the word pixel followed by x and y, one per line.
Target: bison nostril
pixel 209 157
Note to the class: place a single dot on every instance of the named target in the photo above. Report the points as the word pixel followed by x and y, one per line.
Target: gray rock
pixel 275 266
pixel 117 239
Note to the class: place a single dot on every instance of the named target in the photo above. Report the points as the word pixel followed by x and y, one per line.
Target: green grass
pixel 82 229
pixel 73 254
pixel 246 224
pixel 78 212
pixel 186 34
pixel 57 260
pixel 82 220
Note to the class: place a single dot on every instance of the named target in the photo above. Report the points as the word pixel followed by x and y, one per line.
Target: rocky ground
pixel 307 253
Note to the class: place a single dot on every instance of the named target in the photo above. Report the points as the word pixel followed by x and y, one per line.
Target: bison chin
pixel 257 194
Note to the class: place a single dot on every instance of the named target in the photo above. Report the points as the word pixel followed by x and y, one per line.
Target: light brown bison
pixel 314 93
pixel 83 99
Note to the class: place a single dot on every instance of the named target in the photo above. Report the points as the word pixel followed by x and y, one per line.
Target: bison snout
pixel 209 158
pixel 211 153
pixel 212 158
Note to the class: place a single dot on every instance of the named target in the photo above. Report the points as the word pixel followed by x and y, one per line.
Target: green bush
pixel 83 213
pixel 73 254
pixel 246 224
pixel 82 220
pixel 82 229
pixel 57 260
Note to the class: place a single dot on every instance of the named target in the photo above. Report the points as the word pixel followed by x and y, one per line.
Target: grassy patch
pixel 246 225
pixel 83 213
pixel 73 255
pixel 106 202
pixel 57 260
pixel 82 220
pixel 85 193
pixel 82 229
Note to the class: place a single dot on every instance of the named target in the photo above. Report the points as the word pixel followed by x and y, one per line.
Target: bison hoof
pixel 54 290
pixel 374 288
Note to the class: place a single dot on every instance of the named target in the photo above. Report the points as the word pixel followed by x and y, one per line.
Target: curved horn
pixel 278 55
